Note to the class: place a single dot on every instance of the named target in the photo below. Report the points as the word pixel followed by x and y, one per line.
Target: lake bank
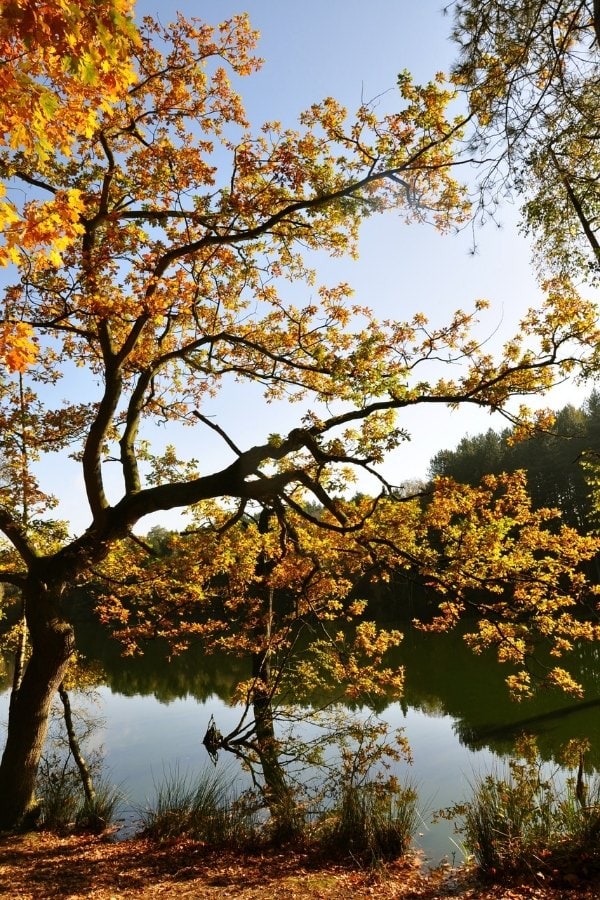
pixel 42 866
pixel 456 714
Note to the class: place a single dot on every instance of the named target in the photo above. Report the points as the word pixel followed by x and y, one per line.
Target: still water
pixel 455 713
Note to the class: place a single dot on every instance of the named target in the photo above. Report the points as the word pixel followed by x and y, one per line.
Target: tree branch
pixel 250 234
pixel 92 453
pixel 576 204
pixel 17 536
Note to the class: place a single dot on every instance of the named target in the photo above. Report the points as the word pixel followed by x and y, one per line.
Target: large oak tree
pixel 162 266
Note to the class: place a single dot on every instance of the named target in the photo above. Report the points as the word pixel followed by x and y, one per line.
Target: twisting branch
pixel 18 538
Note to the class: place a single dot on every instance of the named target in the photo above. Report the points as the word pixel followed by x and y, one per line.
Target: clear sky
pixel 354 51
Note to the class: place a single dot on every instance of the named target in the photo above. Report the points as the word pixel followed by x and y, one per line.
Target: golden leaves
pixel 162 244
pixel 18 349
pixel 53 225
pixel 62 63
pixel 486 552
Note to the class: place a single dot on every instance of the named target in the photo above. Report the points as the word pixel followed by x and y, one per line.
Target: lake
pixel 456 714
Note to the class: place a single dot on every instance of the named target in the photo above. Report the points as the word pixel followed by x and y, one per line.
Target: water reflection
pixel 456 713
pixel 443 678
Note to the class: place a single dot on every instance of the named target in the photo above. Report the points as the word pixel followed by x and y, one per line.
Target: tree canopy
pixel 530 74
pixel 160 255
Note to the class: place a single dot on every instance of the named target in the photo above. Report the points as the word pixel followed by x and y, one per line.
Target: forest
pixel 559 463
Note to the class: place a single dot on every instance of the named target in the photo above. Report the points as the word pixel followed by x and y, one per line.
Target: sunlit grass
pixel 372 822
pixel 524 822
pixel 204 809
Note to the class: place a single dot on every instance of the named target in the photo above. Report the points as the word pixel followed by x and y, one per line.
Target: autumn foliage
pixel 159 249
pixel 513 571
pixel 62 64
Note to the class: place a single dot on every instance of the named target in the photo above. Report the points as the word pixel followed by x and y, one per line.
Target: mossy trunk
pixel 21 654
pixel 52 643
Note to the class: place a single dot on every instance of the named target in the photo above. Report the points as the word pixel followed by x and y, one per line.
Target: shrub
pixel 63 804
pixel 59 792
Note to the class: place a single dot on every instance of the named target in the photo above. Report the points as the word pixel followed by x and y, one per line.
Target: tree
pixel 552 461
pixel 474 457
pixel 189 229
pixel 530 74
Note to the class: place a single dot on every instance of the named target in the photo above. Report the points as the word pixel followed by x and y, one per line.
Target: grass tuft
pixel 524 823
pixel 205 810
pixel 374 821
pixel 99 813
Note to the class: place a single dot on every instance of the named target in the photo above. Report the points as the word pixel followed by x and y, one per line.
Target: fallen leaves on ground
pixel 42 866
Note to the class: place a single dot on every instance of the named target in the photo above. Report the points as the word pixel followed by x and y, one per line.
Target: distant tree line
pixel 552 461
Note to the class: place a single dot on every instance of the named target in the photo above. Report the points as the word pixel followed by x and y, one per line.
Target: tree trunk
pixel 20 655
pixel 52 643
pixel 84 771
pixel 277 791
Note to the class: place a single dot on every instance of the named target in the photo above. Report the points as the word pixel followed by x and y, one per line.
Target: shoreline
pixel 44 866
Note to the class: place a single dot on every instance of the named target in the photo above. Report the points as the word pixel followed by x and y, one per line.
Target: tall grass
pixel 373 821
pixel 372 815
pixel 524 822
pixel 204 809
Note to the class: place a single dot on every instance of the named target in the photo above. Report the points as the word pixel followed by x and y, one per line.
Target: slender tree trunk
pixel 278 794
pixel 52 644
pixel 84 772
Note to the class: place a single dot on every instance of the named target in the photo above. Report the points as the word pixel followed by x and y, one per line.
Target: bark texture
pixel 52 643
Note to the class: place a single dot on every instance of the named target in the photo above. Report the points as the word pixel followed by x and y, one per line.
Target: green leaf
pixel 49 104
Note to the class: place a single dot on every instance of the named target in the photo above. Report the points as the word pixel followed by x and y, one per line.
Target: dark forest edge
pixel 558 461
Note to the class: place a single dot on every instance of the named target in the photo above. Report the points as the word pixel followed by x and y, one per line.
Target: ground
pixel 41 866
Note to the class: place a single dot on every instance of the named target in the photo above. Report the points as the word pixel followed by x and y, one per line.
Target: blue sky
pixel 354 51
